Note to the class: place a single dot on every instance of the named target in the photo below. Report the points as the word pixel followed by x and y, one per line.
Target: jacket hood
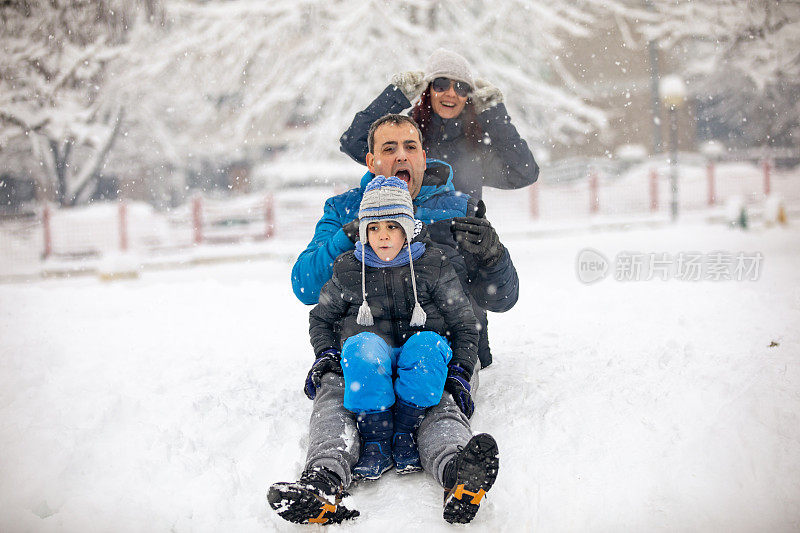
pixel 437 180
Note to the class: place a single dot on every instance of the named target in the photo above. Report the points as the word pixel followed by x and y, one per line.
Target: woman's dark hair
pixel 423 112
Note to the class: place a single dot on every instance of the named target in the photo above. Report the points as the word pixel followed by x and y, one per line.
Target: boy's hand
pixel 327 361
pixel 457 384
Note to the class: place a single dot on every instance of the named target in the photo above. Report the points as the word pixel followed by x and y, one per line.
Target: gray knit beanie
pixel 446 64
pixel 386 199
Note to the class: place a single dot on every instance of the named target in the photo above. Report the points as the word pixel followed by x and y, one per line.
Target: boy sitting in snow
pixel 398 312
pixel 402 338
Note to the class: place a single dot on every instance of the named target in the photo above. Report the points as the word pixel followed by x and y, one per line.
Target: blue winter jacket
pixel 314 266
pixel 493 288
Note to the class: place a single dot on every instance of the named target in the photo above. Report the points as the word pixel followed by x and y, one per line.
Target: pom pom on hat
pixel 364 317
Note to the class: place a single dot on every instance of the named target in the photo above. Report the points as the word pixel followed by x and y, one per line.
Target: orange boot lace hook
pixel 476 496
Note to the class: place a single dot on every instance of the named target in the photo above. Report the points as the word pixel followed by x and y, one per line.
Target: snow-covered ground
pixel 171 402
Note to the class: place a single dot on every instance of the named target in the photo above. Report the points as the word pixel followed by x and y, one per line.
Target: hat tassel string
pixel 418 316
pixel 364 317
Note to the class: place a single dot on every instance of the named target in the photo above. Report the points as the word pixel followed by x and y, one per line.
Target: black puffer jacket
pixel 502 160
pixel 391 300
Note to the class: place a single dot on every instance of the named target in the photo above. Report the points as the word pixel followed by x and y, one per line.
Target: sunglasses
pixel 440 85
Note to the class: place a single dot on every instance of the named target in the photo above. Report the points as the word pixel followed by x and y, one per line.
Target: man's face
pixel 398 152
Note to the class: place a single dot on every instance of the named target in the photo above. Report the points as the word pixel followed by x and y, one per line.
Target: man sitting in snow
pixel 460 462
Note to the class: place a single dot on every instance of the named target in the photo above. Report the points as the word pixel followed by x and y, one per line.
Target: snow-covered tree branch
pixel 743 59
pixel 157 84
pixel 51 77
pixel 244 73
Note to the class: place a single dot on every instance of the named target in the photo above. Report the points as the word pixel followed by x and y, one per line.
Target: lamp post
pixel 655 97
pixel 673 94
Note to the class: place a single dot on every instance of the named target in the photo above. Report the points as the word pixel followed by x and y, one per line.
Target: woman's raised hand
pixel 410 83
pixel 485 96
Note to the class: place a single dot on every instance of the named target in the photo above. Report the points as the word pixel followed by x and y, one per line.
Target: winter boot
pixel 469 475
pixel 407 418
pixel 314 499
pixel 376 449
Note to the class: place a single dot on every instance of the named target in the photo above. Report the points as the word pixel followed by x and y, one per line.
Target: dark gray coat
pixel 502 159
pixel 391 300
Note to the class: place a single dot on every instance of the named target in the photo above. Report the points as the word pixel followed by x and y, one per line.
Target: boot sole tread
pixel 476 471
pixel 300 505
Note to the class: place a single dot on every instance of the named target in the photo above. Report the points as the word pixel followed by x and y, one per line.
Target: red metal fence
pixel 204 221
pixel 291 214
pixel 647 189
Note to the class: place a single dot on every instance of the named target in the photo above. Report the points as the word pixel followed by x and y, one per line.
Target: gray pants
pixel 334 441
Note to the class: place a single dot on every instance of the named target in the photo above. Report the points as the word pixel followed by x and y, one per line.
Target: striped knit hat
pixel 387 199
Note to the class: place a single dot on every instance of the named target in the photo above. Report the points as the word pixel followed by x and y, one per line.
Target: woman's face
pixel 447 104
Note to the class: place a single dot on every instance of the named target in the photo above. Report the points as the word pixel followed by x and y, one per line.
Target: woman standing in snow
pixel 464 122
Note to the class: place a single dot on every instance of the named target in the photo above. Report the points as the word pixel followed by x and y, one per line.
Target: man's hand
pixel 351 230
pixel 476 236
pixel 457 384
pixel 327 361
pixel 485 96
pixel 411 84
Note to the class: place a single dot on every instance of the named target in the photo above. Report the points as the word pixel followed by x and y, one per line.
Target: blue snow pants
pixel 375 373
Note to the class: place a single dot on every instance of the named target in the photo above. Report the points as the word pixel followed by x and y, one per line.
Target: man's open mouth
pixel 404 175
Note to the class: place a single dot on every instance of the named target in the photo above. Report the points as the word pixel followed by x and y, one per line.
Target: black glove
pixel 476 236
pixel 457 384
pixel 327 361
pixel 351 230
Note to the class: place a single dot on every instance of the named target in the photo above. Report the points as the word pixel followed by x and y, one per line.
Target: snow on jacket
pixel 503 160
pixel 391 300
pixel 493 289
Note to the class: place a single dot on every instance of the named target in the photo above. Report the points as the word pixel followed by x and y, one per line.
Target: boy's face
pixel 386 238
